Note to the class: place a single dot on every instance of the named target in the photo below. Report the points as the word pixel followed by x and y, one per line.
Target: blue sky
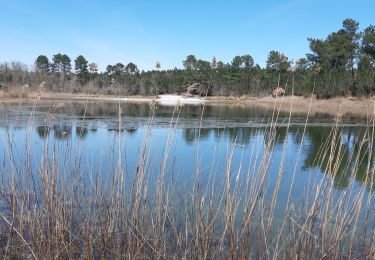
pixel 144 32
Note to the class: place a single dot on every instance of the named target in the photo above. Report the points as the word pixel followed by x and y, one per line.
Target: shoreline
pixel 360 106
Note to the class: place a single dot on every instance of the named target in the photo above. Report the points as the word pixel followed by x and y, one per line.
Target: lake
pixel 202 137
pixel 215 149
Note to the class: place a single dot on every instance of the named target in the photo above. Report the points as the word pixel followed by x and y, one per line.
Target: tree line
pixel 341 64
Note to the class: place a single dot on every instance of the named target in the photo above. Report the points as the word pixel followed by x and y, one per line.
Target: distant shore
pixel 363 107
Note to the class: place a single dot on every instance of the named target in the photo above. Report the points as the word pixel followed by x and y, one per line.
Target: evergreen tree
pixel 65 65
pixel 368 41
pixel 351 28
pixel 131 68
pixel 81 68
pixel 42 64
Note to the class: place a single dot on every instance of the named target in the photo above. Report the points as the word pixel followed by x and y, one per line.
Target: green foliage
pixel 236 62
pixel 351 28
pixel 334 52
pixel 42 64
pixel 65 64
pixel 333 57
pixel 190 63
pixel 277 61
pixel 61 66
pixel 61 63
pixel 277 69
pixel 368 41
pixel 131 69
pixel 366 75
pixel 81 68
pixel 247 61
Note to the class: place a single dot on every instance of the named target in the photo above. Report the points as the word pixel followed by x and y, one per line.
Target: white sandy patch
pixel 178 99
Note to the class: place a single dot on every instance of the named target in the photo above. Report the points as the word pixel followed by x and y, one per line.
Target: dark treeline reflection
pixel 62 131
pixel 340 152
pixel 81 131
pixel 142 109
pixel 43 131
pixel 92 110
pixel 239 135
pixel 335 151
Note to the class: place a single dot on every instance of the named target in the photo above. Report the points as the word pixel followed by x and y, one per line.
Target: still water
pixel 91 138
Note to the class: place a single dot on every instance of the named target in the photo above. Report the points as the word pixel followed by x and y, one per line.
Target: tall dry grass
pixel 57 210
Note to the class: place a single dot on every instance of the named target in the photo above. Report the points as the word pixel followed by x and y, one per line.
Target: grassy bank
pixel 345 106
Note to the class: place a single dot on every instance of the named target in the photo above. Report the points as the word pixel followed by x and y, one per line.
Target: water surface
pixel 90 137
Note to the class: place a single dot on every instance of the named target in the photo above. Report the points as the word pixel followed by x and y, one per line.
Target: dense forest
pixel 341 64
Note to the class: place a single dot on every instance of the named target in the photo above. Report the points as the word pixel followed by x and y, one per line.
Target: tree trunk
pixel 354 86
